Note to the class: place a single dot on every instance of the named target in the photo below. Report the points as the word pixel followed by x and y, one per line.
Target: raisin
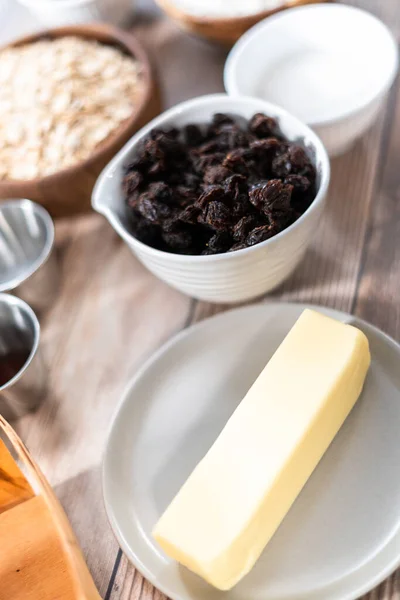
pixel 263 146
pixel 262 126
pixel 218 120
pixel 156 133
pixel 303 192
pixel 170 145
pixel 216 174
pixel 201 163
pixel 145 232
pixel 211 193
pixel 243 227
pixel 219 242
pixel 278 195
pixel 140 161
pixel 231 137
pixel 173 132
pixel 298 158
pixel 235 187
pixel 299 183
pixel 190 214
pixel 159 191
pixel 264 152
pixel 154 150
pixel 271 196
pixel 131 182
pixel 217 215
pixel 193 135
pixel 237 161
pixel 153 210
pixel 238 246
pixel 256 196
pixel 293 161
pixel 184 196
pixel 260 234
pixel 158 169
pixel 180 239
pixel 236 192
pixel 222 119
pixel 133 200
pixel 190 179
pixel 210 147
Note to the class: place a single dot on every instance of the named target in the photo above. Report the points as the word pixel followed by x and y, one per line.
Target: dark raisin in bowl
pixel 218 187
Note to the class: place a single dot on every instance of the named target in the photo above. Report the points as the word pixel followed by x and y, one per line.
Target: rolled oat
pixel 59 100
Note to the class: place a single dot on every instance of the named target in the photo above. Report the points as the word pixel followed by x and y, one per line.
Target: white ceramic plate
pixel 342 535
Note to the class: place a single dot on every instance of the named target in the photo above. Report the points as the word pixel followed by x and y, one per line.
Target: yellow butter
pixel 231 505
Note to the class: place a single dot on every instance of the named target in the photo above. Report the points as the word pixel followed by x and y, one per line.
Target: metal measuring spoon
pixel 28 264
pixel 22 370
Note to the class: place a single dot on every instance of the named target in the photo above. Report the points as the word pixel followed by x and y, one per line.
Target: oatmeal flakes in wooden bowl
pixel 69 99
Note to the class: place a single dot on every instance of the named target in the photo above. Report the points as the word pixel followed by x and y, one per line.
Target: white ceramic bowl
pixel 54 13
pixel 329 64
pixel 235 276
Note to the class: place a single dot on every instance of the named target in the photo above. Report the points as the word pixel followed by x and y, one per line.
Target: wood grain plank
pixel 377 299
pixel 388 11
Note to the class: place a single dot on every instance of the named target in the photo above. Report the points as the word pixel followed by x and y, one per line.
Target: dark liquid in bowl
pixel 11 363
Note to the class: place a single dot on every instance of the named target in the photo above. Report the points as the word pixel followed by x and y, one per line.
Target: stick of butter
pixel 231 505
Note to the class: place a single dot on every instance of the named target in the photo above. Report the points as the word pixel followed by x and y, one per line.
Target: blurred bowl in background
pixel 55 13
pixel 331 65
pixel 222 29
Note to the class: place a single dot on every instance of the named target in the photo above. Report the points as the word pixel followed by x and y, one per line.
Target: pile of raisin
pixel 218 187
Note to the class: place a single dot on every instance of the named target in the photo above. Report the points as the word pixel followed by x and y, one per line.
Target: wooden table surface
pixel 112 314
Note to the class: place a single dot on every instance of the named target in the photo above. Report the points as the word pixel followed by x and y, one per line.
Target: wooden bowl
pixel 68 191
pixel 223 30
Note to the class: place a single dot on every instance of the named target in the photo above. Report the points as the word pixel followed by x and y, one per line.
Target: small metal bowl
pixel 28 265
pixel 22 369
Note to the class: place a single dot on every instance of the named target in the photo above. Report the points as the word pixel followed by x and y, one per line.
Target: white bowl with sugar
pixel 329 64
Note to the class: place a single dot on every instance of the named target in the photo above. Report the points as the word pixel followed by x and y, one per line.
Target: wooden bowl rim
pixel 130 43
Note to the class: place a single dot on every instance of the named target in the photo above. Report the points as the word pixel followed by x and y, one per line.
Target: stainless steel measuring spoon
pixel 28 264
pixel 23 374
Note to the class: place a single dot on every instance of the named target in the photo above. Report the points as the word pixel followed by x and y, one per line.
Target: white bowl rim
pixel 279 112
pixel 229 76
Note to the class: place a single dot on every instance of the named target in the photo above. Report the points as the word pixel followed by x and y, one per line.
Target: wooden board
pixel 112 314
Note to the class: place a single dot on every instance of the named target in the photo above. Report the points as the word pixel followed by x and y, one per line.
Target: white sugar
pixel 314 83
